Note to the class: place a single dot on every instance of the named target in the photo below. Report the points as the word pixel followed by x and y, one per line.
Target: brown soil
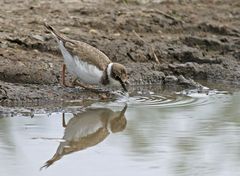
pixel 172 42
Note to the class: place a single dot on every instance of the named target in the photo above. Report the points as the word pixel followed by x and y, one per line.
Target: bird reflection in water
pixel 87 129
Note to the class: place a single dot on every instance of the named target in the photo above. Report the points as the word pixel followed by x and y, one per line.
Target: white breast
pixel 85 72
pixel 78 128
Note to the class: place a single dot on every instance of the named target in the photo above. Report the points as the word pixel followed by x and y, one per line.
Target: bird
pixel 88 65
pixel 87 129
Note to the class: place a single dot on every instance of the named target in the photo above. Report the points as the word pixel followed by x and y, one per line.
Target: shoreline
pixel 157 42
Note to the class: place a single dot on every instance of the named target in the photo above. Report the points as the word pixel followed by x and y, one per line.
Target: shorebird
pixel 88 64
pixel 87 129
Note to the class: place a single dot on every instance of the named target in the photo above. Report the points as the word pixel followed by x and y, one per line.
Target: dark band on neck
pixel 105 79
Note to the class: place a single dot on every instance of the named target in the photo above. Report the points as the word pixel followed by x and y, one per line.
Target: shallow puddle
pixel 187 133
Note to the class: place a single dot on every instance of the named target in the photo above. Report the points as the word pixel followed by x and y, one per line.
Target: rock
pixel 3 94
pixel 183 80
pixel 38 37
pixel 189 83
pixel 217 29
pixel 206 43
pixel 170 79
pixel 189 54
pixel 237 55
pixel 189 69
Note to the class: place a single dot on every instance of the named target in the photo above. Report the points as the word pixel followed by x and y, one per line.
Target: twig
pixel 152 48
pixel 130 56
pixel 155 56
pixel 164 14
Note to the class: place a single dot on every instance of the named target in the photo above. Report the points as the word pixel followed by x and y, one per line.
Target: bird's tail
pixel 55 33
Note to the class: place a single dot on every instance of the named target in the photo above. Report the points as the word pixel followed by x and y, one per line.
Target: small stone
pixel 151 93
pixel 94 31
pixel 38 37
pixel 171 79
pixel 183 80
pixel 116 34
pixel 65 30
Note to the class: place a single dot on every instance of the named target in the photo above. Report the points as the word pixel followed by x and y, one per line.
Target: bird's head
pixel 119 73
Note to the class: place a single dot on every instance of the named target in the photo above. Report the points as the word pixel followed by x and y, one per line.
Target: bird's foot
pixel 64 84
pixel 75 82
pixel 105 96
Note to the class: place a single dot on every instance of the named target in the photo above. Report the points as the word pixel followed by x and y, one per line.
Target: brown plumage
pixel 86 52
pixel 88 64
pixel 88 129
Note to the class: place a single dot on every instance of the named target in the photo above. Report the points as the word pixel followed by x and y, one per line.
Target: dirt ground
pixel 166 42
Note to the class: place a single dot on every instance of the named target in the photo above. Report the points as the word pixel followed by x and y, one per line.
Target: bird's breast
pixel 87 73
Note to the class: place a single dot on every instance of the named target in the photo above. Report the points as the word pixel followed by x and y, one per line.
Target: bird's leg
pixel 64 76
pixel 75 82
pixel 63 121
pixel 103 95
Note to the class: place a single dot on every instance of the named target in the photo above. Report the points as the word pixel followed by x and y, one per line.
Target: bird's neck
pixel 109 70
pixel 107 74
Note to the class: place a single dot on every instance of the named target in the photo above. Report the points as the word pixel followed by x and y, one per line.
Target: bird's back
pixel 87 53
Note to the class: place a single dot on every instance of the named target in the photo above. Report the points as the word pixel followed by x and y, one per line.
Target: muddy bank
pixel 169 43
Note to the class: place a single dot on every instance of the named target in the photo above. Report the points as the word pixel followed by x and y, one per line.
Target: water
pixel 186 133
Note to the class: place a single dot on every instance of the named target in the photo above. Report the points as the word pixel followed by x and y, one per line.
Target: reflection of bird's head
pixel 119 123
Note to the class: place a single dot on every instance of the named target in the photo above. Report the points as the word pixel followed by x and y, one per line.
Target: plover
pixel 88 64
pixel 87 129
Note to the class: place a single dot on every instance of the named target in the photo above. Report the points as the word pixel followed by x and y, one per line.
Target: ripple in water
pixel 180 99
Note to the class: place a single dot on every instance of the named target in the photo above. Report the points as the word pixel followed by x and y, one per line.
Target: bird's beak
pixel 123 85
pixel 123 111
pixel 126 84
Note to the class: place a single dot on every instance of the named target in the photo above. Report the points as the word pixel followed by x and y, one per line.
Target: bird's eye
pixel 118 78
pixel 124 72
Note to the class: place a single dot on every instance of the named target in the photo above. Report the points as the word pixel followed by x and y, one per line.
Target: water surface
pixel 166 134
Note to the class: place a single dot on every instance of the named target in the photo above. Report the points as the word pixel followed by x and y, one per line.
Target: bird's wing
pixel 84 51
pixel 87 53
